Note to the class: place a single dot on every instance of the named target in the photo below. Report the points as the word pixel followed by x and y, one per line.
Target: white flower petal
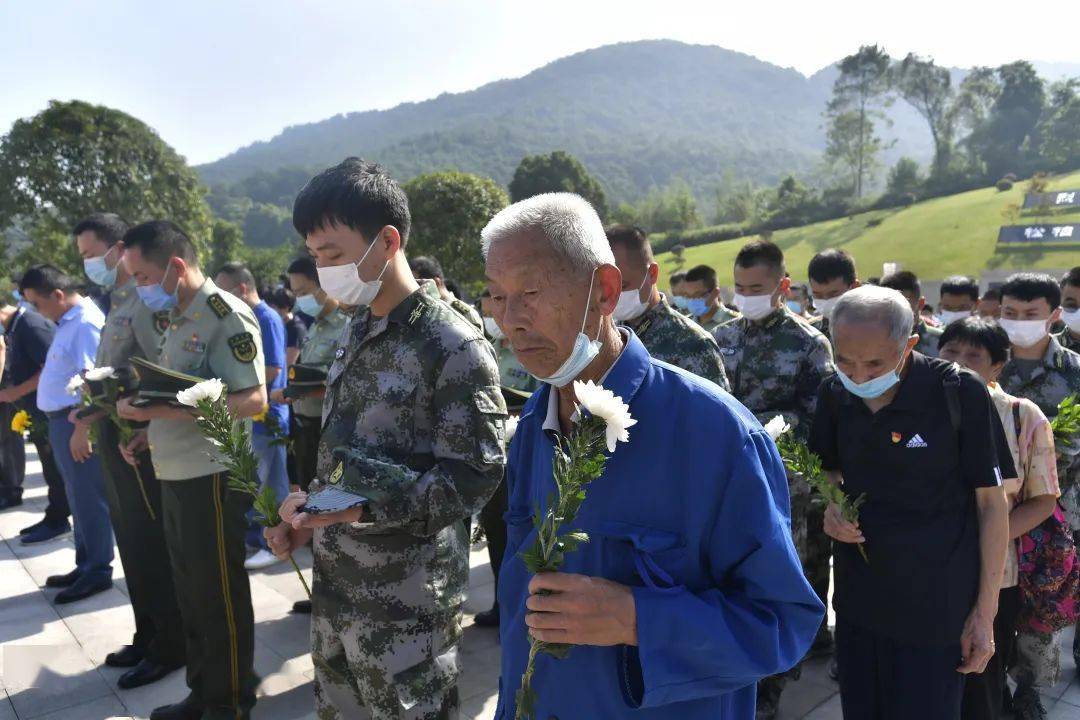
pixel 609 407
pixel 206 390
pixel 74 384
pixel 511 427
pixel 777 427
pixel 100 373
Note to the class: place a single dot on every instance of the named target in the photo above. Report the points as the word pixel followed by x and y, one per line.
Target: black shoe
pixel 1007 699
pixel 302 607
pixel 1027 705
pixel 186 709
pixel 10 502
pixel 768 703
pixel 126 657
pixel 81 591
pixel 31 528
pixel 144 673
pixel 63 581
pixel 834 670
pixel 488 618
pixel 44 533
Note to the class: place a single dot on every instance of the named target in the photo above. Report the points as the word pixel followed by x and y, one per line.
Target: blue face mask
pixel 679 301
pixel 308 305
pixel 697 306
pixel 875 387
pixel 794 307
pixel 99 271
pixel 584 352
pixel 156 297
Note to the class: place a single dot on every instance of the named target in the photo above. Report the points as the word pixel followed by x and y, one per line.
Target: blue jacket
pixel 693 514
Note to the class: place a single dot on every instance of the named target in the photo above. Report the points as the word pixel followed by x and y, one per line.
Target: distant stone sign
pixel 1066 198
pixel 1039 233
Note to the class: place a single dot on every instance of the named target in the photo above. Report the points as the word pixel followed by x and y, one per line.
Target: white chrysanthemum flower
pixel 511 427
pixel 609 407
pixel 777 427
pixel 75 384
pixel 206 390
pixel 100 373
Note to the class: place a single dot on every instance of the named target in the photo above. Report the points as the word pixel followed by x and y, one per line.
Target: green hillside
pixel 936 238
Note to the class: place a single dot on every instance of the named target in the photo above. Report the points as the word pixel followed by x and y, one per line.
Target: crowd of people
pixel 703 585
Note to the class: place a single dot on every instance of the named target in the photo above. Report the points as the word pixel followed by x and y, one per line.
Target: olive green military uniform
pixel 217 336
pixel 928 339
pixel 1054 379
pixel 318 349
pixel 679 341
pixel 721 316
pixel 133 330
pixel 775 367
pixel 413 406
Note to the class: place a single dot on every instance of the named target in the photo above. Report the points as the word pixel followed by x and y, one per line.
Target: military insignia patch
pixel 243 347
pixel 335 477
pixel 897 437
pixel 161 321
pixel 292 373
pixel 218 305
pixel 416 313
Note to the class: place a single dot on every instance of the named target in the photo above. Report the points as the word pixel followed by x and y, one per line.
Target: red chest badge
pixel 897 437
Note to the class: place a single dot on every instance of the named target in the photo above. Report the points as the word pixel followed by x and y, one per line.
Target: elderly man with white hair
pixel 689 590
pixel 916 436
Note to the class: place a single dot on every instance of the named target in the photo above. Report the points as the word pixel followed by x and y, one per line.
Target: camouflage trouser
pixel 818 553
pixel 414 679
pixel 1038 659
pixel 770 688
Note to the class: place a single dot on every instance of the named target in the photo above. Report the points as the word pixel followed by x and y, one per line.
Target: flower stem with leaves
pixel 230 436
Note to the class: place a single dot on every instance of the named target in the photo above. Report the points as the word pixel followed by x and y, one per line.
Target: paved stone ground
pixel 51 660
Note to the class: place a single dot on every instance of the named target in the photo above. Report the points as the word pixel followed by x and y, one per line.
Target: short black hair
pixel 703 274
pixel 304 266
pixel 357 194
pixel 979 332
pixel 992 294
pixel 109 227
pixel 283 298
pixel 961 285
pixel 830 264
pixel 631 237
pixel 160 241
pixel 46 279
pixel 903 281
pixel 761 252
pixel 425 267
pixel 677 276
pixel 239 273
pixel 1028 286
pixel 1071 278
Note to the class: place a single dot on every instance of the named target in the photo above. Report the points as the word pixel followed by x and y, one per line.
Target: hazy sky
pixel 213 76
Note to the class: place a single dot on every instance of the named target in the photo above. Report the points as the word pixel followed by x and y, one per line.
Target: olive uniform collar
pixel 201 303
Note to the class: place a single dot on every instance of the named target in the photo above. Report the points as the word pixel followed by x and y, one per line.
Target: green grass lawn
pixel 936 238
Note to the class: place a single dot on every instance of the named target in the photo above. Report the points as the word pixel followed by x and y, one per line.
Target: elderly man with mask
pixel 916 436
pixel 690 589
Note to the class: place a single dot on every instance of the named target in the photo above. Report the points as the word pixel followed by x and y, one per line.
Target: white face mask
pixel 950 316
pixel 825 307
pixel 1071 318
pixel 584 352
pixel 629 305
pixel 1024 333
pixel 493 329
pixel 755 307
pixel 343 283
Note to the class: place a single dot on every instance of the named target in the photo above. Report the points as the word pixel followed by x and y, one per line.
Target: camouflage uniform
pixel 318 349
pixel 1037 654
pixel 463 309
pixel 511 373
pixel 413 407
pixel 1069 341
pixel 775 367
pixel 928 339
pixel 679 341
pixel 821 324
pixel 721 316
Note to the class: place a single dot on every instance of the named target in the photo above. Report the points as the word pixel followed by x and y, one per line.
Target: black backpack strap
pixel 951 383
pixel 1016 420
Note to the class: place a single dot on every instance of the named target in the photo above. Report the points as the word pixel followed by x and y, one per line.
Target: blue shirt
pixel 693 515
pixel 273 342
pixel 73 350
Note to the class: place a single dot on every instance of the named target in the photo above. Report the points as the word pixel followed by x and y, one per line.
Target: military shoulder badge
pixel 335 477
pixel 161 321
pixel 218 305
pixel 243 347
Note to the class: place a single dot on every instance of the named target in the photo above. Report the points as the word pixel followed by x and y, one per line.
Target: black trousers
pixel 12 456
pixel 204 531
pixel 494 525
pixel 983 693
pixel 305 447
pixel 882 679
pixel 57 511
pixel 135 511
